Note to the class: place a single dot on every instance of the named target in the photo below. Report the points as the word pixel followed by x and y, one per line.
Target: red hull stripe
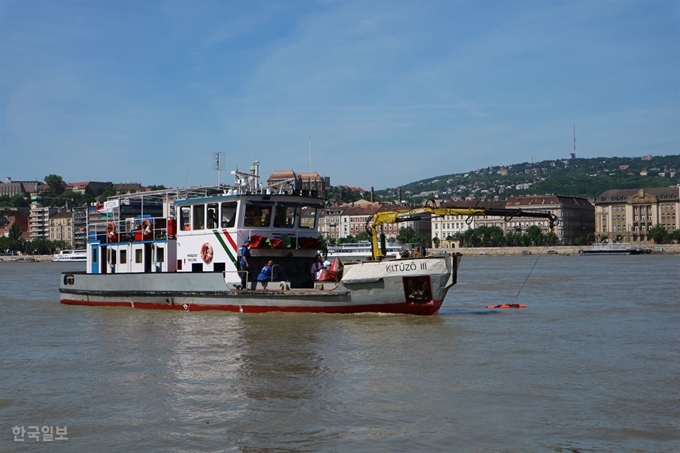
pixel 230 239
pixel 430 308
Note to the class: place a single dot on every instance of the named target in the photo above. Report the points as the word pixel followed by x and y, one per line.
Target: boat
pixel 360 251
pixel 614 248
pixel 178 249
pixel 70 256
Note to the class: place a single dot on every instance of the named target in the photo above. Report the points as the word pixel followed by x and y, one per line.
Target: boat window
pixel 228 214
pixel 199 217
pixel 212 215
pixel 185 218
pixel 284 216
pixel 138 256
pixel 160 254
pixel 123 256
pixel 307 217
pixel 257 215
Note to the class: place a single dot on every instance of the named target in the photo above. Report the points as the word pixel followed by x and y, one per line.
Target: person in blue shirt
pixel 266 273
pixel 244 263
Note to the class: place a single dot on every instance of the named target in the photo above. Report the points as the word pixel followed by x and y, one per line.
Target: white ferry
pixel 70 255
pixel 360 251
pixel 178 249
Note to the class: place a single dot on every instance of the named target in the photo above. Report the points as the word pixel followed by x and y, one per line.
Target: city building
pixel 310 181
pixel 329 223
pixel 353 219
pixel 628 214
pixel 8 221
pixel 79 227
pixel 61 227
pixel 576 215
pixel 11 188
pixel 91 186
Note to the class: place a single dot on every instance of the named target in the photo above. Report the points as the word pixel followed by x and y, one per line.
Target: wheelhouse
pixel 202 230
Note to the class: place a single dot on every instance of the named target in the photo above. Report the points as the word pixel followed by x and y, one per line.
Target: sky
pixel 369 93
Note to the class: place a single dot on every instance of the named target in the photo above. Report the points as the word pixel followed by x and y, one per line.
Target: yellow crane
pixel 405 215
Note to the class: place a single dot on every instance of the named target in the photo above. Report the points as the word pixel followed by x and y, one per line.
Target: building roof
pixel 307 176
pixel 360 210
pixel 129 187
pixel 278 175
pixel 621 195
pixel 62 215
pixel 473 204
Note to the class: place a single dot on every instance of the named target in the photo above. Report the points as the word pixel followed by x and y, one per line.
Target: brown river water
pixel 591 365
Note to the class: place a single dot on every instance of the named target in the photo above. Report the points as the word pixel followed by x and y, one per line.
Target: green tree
pixel 37 247
pixel 14 231
pixel 675 235
pixel 658 234
pixel 106 193
pixel 436 242
pixel 496 236
pixel 407 235
pixel 12 243
pixel 551 238
pixel 56 184
pixel 535 235
pixel 363 236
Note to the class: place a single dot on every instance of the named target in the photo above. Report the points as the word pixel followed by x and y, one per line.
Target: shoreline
pixel 672 249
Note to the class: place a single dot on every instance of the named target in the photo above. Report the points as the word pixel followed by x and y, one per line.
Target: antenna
pixel 574 139
pixel 218 165
pixel 310 154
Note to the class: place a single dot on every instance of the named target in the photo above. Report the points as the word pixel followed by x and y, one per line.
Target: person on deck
pixel 244 263
pixel 317 266
pixel 265 275
pixel 324 273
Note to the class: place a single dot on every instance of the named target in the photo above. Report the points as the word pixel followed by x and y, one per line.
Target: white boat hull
pixel 409 286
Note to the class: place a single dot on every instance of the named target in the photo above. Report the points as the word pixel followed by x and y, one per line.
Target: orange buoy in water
pixel 508 306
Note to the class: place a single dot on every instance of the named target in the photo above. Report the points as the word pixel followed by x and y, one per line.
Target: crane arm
pixel 381 218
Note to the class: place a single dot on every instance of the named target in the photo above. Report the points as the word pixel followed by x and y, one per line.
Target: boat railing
pixel 131 229
pixel 293 239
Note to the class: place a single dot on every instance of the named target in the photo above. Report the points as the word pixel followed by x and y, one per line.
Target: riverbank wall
pixel 552 250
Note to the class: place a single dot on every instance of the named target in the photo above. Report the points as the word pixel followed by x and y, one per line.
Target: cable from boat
pixel 532 269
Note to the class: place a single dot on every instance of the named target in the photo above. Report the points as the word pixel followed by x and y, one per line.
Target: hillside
pixel 569 177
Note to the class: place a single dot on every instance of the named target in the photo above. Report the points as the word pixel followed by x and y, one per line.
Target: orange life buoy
pixel 111 230
pixel 507 306
pixel 146 227
pixel 207 253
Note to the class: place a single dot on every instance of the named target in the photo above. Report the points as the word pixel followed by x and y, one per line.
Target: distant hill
pixel 569 177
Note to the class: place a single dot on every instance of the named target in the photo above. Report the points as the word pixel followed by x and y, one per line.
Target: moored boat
pixel 65 256
pixel 359 251
pixel 614 249
pixel 179 249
